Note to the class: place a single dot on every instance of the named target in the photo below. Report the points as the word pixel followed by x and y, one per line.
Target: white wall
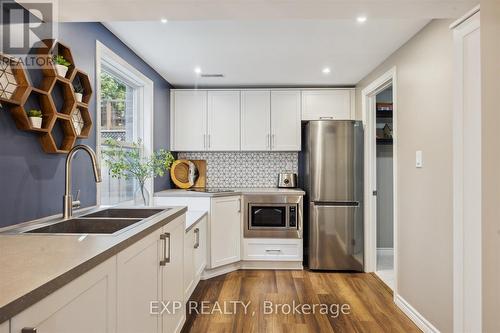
pixel 490 85
pixel 424 88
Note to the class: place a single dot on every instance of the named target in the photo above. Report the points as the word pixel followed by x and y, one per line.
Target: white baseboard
pixel 414 315
pixel 280 265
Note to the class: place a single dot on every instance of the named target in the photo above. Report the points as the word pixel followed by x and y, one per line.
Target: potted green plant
pixel 61 65
pixel 78 87
pixel 129 163
pixel 35 117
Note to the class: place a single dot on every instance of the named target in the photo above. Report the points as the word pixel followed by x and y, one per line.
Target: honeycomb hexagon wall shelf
pixel 65 118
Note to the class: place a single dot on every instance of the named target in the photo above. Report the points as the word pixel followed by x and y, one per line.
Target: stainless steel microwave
pixel 273 216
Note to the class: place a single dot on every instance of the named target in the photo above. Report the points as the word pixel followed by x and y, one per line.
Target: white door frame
pixel 368 101
pixel 145 96
pixel 467 200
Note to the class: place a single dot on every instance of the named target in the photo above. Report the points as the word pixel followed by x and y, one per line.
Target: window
pixel 125 100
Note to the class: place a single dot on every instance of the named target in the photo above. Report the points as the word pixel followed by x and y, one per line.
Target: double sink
pixel 108 221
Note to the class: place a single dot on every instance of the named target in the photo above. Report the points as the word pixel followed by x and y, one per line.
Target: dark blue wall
pixel 31 181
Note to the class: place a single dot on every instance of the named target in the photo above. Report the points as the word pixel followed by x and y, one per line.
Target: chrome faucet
pixel 68 203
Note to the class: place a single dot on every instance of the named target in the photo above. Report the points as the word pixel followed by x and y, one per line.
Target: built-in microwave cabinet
pixel 328 104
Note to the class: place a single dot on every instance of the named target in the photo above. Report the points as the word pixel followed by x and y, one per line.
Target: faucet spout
pixel 68 198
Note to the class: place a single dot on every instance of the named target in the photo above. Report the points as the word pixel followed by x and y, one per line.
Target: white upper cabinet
pixel 223 120
pixel 255 120
pixel 285 120
pixel 188 120
pixel 251 119
pixel 334 104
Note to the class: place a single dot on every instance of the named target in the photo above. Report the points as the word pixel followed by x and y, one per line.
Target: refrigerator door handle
pixel 337 203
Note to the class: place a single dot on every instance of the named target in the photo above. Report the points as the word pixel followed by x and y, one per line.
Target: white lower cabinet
pixel 195 257
pixel 263 249
pixel 172 275
pixel 4 327
pixel 200 253
pixel 225 230
pixel 138 272
pixel 151 271
pixel 87 304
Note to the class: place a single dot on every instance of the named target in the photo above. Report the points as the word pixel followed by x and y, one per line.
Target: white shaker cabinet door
pixel 86 304
pixel 223 120
pixel 189 120
pixel 139 284
pixel 285 120
pixel 327 104
pixel 173 275
pixel 255 120
pixel 225 231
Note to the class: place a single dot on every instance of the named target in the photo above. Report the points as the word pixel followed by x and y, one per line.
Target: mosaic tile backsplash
pixel 244 169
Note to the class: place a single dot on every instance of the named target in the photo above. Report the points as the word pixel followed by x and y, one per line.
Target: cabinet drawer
pixel 269 249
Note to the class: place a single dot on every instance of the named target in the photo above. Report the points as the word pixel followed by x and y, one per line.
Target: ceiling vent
pixel 212 75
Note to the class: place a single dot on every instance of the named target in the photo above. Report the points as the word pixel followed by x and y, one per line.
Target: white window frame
pixel 144 100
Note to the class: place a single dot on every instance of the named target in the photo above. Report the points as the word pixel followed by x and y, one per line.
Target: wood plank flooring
pixel 370 302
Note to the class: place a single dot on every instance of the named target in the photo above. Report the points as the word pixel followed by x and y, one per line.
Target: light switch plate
pixel 419 162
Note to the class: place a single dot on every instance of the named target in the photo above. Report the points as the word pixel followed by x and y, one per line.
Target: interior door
pixel 255 120
pixel 285 120
pixel 224 120
pixel 333 240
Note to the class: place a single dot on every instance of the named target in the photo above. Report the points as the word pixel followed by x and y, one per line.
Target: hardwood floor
pixel 370 304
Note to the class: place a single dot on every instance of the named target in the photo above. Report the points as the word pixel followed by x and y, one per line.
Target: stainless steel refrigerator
pixel 333 170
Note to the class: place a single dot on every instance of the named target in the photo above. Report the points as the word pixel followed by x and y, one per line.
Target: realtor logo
pixel 25 25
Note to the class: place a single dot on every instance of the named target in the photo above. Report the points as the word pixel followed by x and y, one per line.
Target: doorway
pixel 384 196
pixel 379 107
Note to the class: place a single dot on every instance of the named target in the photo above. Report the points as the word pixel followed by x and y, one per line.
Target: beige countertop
pixel 235 191
pixel 33 266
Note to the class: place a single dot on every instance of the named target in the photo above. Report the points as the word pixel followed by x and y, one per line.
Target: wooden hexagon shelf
pixel 37 100
pixel 62 95
pixel 61 137
pixel 54 48
pixel 63 118
pixel 14 83
pixel 82 122
pixel 81 80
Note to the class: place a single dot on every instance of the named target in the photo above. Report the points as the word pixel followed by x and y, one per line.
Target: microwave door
pixel 262 216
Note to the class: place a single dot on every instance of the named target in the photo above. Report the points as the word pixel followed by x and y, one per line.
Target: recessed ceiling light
pixel 197 70
pixel 361 19
pixel 326 70
pixel 164 20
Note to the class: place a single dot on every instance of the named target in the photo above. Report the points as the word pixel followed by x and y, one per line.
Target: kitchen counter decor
pixel 62 97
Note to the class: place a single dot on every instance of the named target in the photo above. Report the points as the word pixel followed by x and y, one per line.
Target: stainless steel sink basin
pixel 85 226
pixel 139 213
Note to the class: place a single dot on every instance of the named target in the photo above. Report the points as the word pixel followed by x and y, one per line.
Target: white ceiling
pixel 145 10
pixel 274 53
pixel 263 42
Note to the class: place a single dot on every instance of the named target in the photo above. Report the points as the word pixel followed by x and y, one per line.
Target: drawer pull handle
pixel 197 239
pixel 326 118
pixel 28 330
pixel 273 250
pixel 164 238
